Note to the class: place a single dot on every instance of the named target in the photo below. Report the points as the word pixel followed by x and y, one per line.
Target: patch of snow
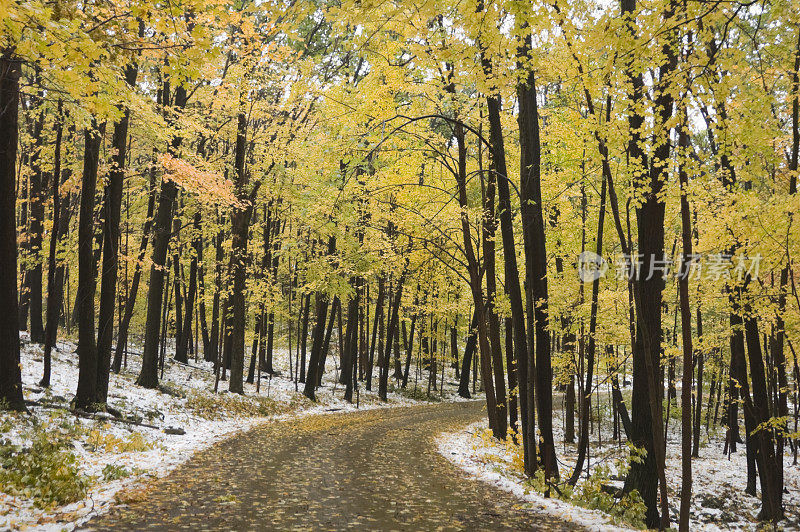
pixel 464 449
pixel 718 480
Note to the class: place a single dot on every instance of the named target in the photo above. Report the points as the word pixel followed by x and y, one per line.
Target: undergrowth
pixel 45 471
pixel 219 406
pixel 418 394
pixel 628 508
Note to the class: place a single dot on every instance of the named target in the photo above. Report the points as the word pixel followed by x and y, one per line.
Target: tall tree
pixel 111 239
pixel 86 394
pixel 56 269
pixel 10 372
pixel 162 224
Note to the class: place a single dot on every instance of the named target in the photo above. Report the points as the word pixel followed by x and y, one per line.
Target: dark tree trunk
pixel 335 311
pixel 648 475
pixel 569 409
pixel 240 222
pixel 191 295
pixel 492 321
pixel 38 184
pixel 586 399
pixel 409 347
pixel 306 313
pixel 180 331
pixel 466 363
pixel 201 287
pixel 767 461
pixel 349 357
pixel 130 303
pixel 699 399
pixel 214 341
pixel 453 348
pixel 619 404
pixel 86 393
pixel 518 358
pixel 375 326
pixel 108 282
pixel 148 376
pixel 251 369
pixel 476 286
pixel 10 371
pixel 317 340
pixel 536 275
pixel 314 374
pixel 391 334
pixel 261 315
pixel 55 270
pixel 686 338
pixel 24 293
pixel 512 377
pixel 276 231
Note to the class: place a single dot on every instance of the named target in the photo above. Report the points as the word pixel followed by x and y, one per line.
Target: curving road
pixel 370 470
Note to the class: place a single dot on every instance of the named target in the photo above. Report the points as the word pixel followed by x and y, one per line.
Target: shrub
pixel 629 508
pixel 115 472
pixel 418 394
pixel 46 471
pixel 135 442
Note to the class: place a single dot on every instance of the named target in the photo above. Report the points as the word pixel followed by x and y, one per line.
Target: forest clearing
pixel 436 265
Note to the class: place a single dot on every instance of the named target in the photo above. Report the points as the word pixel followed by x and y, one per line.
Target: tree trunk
pixel 513 414
pixel 306 312
pixel 335 311
pixel 86 394
pixel 409 347
pixel 648 476
pixel 55 270
pixel 767 461
pixel 276 231
pixel 191 294
pixel 318 337
pixel 493 322
pixel 180 332
pixel 586 399
pixel 375 326
pixel 536 277
pixel 108 282
pixel 38 183
pixel 130 303
pixel 148 376
pixel 469 350
pixel 10 371
pixel 349 357
pixel 391 334
pixel 201 286
pixel 686 338
pixel 476 285
pixel 240 222
pixel 699 399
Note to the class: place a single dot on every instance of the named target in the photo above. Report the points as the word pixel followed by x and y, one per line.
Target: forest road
pixel 369 470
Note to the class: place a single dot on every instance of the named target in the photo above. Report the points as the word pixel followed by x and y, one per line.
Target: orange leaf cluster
pixel 210 187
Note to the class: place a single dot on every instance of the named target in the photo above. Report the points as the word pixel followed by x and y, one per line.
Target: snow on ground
pixel 107 449
pixel 718 498
pixel 493 462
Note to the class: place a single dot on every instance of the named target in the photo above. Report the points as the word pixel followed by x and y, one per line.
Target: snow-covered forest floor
pixel 718 497
pixel 97 461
